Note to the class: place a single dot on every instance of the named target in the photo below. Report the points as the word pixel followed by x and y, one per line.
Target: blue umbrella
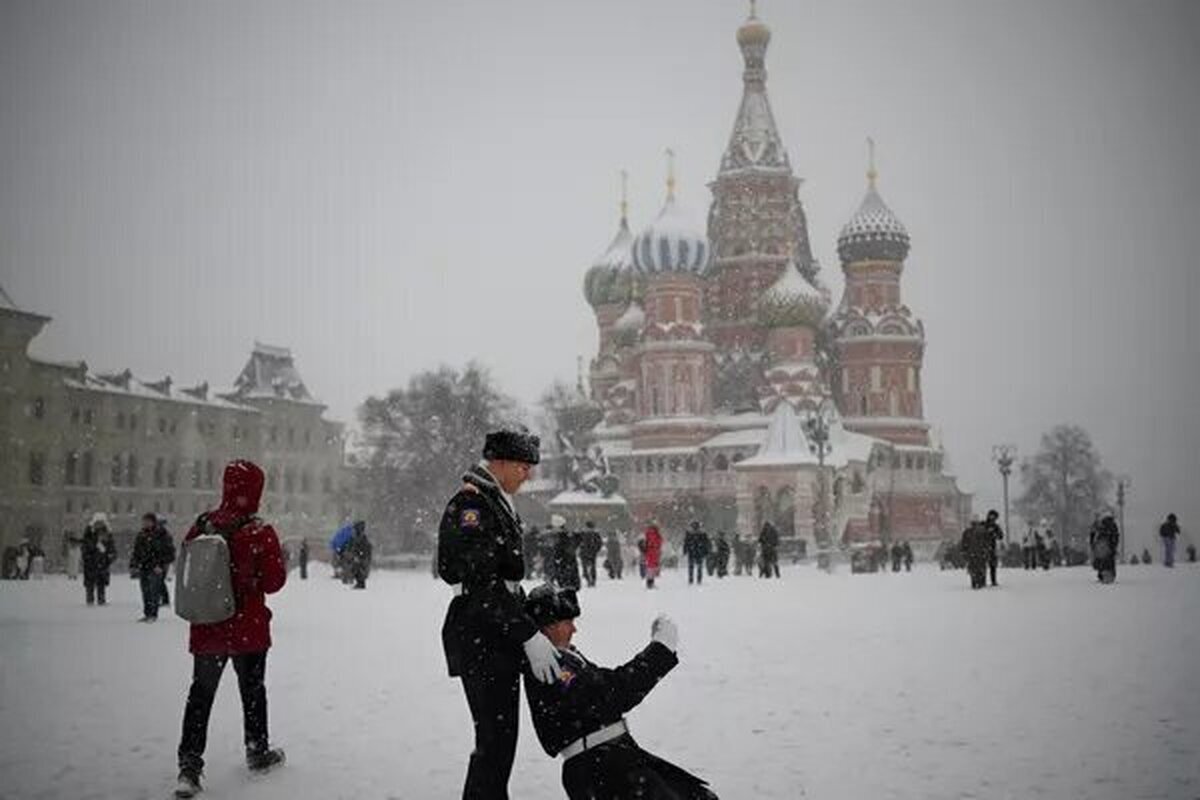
pixel 342 537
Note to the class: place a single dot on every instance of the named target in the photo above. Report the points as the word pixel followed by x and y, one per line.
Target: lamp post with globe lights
pixel 1005 455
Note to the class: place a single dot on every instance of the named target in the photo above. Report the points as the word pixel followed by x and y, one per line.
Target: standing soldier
pixel 590 546
pixel 994 536
pixel 487 634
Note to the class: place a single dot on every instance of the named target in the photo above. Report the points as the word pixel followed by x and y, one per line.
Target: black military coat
pixel 479 549
pixel 589 697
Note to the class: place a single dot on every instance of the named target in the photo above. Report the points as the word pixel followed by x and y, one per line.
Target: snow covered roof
pixel 270 374
pixel 632 320
pixel 617 254
pixel 674 242
pixel 163 390
pixel 578 498
pixel 787 444
pixel 755 142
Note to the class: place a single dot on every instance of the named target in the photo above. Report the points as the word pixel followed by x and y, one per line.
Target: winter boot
pixel 263 761
pixel 189 784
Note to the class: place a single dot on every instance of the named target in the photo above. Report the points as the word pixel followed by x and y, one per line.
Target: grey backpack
pixel 204 576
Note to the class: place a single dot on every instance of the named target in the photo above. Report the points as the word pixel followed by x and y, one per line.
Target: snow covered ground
pixel 816 686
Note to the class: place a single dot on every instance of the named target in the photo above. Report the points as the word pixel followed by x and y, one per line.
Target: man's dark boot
pixel 188 785
pixel 265 760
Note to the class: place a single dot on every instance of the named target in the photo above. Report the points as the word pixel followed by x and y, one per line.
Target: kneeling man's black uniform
pixel 589 699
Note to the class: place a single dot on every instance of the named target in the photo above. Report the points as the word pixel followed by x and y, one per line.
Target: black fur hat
pixel 512 444
pixel 547 605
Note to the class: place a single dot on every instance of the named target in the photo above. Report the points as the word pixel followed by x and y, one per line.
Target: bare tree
pixel 1065 482
pixel 419 441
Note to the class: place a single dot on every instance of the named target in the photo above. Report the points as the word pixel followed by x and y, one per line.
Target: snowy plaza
pixel 819 686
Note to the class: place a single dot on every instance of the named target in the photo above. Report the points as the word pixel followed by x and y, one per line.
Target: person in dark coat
pixel 1105 538
pixel 897 556
pixel 153 553
pixel 994 538
pixel 358 555
pixel 99 552
pixel 975 544
pixel 590 545
pixel 722 554
pixel 566 554
pixel 1191 553
pixel 768 545
pixel 303 559
pixel 1169 532
pixel 580 717
pixel 1146 557
pixel 908 556
pixel 695 547
pixel 487 636
pixel 614 560
pixel 257 569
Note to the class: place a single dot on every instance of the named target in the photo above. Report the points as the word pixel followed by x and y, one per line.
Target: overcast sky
pixel 387 187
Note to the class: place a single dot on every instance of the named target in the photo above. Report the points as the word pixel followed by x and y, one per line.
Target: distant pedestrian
pixel 613 560
pixel 768 546
pixel 256 570
pixel 976 542
pixel 99 551
pixel 358 555
pixel 653 554
pixel 531 547
pixel 153 552
pixel 1146 557
pixel 590 545
pixel 897 556
pixel 303 558
pixel 1104 540
pixel 695 547
pixel 722 551
pixel 994 538
pixel 1169 532
pixel 1191 553
pixel 907 555
pixel 566 554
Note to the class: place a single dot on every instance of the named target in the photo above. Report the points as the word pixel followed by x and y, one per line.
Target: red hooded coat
pixel 653 547
pixel 257 565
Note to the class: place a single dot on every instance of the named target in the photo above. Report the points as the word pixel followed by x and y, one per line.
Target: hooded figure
pixel 580 717
pixel 99 551
pixel 256 570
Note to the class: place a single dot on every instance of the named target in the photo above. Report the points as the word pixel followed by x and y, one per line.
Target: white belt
pixel 512 587
pixel 605 734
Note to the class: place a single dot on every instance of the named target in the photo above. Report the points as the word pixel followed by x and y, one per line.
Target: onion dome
pixel 792 301
pixel 874 233
pixel 753 32
pixel 673 242
pixel 609 279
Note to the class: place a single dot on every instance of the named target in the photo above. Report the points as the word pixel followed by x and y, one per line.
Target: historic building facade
pixel 76 442
pixel 718 347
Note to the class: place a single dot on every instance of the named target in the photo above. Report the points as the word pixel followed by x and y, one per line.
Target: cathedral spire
pixel 871 172
pixel 755 142
pixel 670 174
pixel 624 198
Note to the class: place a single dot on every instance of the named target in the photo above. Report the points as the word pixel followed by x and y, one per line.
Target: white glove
pixel 543 658
pixel 663 631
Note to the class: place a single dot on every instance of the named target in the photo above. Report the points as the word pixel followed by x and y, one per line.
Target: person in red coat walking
pixel 654 544
pixel 257 567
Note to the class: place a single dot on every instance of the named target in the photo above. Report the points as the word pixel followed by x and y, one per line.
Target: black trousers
pixel 696 569
pixel 992 559
pixel 94 590
pixel 152 592
pixel 589 570
pixel 494 700
pixel 251 669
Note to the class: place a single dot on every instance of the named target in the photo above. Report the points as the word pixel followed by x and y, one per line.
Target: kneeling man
pixel 580 717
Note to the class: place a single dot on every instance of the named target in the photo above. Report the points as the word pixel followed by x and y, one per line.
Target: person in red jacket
pixel 257 566
pixel 654 544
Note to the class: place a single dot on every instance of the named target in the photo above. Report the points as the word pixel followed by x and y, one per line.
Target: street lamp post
pixel 1005 455
pixel 1124 484
pixel 816 428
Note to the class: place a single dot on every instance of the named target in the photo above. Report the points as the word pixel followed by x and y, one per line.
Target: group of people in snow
pixel 569 558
